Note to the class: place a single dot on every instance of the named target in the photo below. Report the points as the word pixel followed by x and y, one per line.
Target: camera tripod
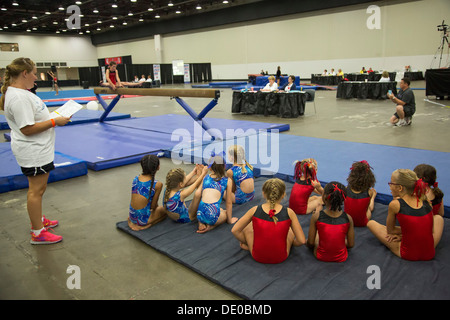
pixel 443 27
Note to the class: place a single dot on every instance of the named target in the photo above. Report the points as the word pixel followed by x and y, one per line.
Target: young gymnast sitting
pixel 434 195
pixel 305 176
pixel 144 211
pixel 212 191
pixel 360 199
pixel 113 79
pixel 269 230
pixel 419 231
pixel 178 188
pixel 331 230
pixel 242 176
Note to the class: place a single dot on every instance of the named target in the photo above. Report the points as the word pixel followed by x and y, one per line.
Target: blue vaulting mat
pixel 217 256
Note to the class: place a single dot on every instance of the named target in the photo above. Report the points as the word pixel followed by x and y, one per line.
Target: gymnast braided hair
pixel 412 184
pixel 274 190
pixel 150 164
pixel 428 174
pixel 238 154
pixel 13 70
pixel 173 178
pixel 335 194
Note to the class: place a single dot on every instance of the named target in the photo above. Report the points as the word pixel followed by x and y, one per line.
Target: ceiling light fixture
pixel 198 7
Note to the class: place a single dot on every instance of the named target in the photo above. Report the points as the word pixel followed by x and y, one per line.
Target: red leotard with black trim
pixel 269 238
pixel 417 232
pixel 300 193
pixel 332 235
pixel 356 205
pixel 436 203
pixel 112 77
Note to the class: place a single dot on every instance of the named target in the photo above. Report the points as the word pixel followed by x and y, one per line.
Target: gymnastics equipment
pixel 92 105
pixel 172 93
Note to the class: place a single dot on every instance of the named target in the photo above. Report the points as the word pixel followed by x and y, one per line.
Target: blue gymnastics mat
pixel 275 154
pixel 64 94
pixel 174 123
pixel 82 116
pixel 115 143
pixel 217 256
pixel 224 84
pixel 12 178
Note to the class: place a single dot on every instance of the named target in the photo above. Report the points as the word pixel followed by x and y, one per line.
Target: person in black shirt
pixel 406 105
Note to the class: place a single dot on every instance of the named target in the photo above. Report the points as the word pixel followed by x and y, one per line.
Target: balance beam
pixel 172 93
pixel 190 93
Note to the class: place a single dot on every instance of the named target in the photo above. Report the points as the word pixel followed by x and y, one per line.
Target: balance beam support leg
pixel 109 108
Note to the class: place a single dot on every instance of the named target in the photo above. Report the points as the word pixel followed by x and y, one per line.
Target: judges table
pixel 365 90
pixel 371 76
pixel 284 105
pixel 325 80
pixel 437 82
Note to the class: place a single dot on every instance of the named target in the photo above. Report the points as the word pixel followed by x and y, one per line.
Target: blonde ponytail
pixel 13 70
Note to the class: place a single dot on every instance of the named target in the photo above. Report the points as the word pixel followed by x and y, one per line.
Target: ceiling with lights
pixel 95 17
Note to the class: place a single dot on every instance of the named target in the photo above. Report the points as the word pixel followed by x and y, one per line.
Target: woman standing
pixel 32 140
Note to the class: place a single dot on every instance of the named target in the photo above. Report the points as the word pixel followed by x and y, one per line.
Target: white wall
pixel 301 44
pixel 77 51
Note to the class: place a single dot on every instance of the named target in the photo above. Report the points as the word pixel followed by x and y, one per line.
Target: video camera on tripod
pixel 443 27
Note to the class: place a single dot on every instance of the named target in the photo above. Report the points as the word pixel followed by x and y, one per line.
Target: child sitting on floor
pixel 269 230
pixel 144 211
pixel 331 230
pixel 178 188
pixel 418 232
pixel 305 176
pixel 212 191
pixel 242 176
pixel 360 199
pixel 434 195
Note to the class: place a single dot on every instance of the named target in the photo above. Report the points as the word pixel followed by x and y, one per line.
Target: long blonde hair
pixel 173 179
pixel 412 184
pixel 274 190
pixel 13 70
pixel 238 154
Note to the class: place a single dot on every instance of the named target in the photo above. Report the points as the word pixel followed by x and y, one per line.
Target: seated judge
pixel 271 86
pixel 290 86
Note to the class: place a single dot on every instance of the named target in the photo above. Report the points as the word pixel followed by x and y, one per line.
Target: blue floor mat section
pixel 217 256
pixel 275 154
pixel 62 102
pixel 115 143
pixel 12 178
pixel 105 146
pixel 65 94
pixel 175 124
pixel 82 116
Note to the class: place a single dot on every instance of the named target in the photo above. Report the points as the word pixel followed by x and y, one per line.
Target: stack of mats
pixel 217 256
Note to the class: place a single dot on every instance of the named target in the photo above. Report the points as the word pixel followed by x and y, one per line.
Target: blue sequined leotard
pixel 141 216
pixel 238 177
pixel 208 213
pixel 175 205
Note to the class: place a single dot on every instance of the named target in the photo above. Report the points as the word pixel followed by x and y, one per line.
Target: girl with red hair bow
pixel 269 230
pixel 331 230
pixel 419 231
pixel 360 200
pixel 434 195
pixel 305 175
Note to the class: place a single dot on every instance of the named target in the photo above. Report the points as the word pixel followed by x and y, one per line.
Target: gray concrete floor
pixel 114 265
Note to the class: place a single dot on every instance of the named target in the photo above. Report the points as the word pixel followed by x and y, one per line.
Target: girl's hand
pixel 61 121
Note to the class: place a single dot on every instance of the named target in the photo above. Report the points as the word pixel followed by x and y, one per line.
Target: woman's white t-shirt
pixel 24 108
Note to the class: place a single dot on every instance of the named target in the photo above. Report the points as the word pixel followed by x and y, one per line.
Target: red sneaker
pixel 49 223
pixel 45 237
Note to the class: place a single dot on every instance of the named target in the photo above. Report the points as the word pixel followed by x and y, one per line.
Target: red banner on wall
pixel 118 60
